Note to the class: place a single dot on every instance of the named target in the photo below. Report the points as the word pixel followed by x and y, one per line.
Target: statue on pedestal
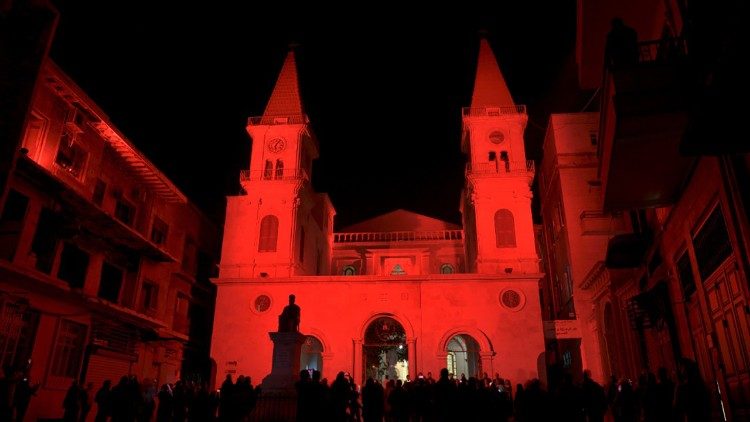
pixel 289 318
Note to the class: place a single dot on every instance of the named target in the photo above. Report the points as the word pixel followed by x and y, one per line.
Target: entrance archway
pixel 384 350
pixel 311 357
pixel 463 356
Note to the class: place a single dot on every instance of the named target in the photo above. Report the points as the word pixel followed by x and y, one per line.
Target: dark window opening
pixel 149 296
pixel 268 170
pixel 189 256
pixel 159 231
pixel 73 266
pixel 70 156
pixel 711 243
pixel 11 223
pixel 125 212
pixel 99 189
pixel 593 137
pixel 279 169
pixel 111 283
pixel 45 240
pixel 685 272
pixel 493 156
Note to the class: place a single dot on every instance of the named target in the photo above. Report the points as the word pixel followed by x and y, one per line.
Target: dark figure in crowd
pixel 373 399
pixel 71 403
pixel 164 411
pixel 664 394
pixel 103 401
pixel 625 406
pixel 622 45
pixel 85 401
pixel 594 399
pixel 22 397
pixel 692 402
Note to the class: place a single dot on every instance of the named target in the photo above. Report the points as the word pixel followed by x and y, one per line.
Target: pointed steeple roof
pixel 490 89
pixel 285 99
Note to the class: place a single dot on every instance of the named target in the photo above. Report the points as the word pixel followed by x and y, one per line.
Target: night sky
pixel 383 88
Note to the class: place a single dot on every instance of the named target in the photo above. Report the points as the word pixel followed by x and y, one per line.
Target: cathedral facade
pixel 398 295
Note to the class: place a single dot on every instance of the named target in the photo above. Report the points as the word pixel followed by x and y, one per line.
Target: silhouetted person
pixel 373 399
pixel 664 396
pixel 692 403
pixel 22 397
pixel 71 403
pixel 164 410
pixel 103 401
pixel 622 45
pixel 289 318
pixel 226 391
pixel 594 399
pixel 85 398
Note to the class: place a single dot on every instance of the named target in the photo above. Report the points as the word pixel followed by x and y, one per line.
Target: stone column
pixel 357 364
pixel 412 356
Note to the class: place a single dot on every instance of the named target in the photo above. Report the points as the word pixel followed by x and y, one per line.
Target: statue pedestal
pixel 285 368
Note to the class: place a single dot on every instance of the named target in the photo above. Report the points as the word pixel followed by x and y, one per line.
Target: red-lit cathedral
pixel 395 295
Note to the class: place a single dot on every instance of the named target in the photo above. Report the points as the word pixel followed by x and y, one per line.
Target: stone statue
pixel 289 318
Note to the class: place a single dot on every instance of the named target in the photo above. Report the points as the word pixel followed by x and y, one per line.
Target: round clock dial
pixel 497 137
pixel 276 145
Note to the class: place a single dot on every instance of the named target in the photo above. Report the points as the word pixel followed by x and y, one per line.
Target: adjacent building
pixel 104 263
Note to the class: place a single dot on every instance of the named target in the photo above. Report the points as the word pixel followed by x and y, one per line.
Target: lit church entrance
pixel 311 357
pixel 463 356
pixel 384 350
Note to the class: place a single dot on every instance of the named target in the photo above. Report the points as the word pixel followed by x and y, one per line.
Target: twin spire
pixel 490 89
pixel 285 99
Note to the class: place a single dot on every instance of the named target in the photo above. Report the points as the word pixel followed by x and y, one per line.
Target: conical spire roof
pixel 490 89
pixel 285 99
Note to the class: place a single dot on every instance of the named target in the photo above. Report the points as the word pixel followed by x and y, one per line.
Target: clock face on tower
pixel 276 145
pixel 497 137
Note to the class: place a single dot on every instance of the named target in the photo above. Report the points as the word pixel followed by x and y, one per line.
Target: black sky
pixel 383 87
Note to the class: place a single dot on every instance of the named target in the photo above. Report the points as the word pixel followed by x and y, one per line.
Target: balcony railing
pixel 294 119
pixel 286 174
pixel 402 236
pixel 500 167
pixel 493 111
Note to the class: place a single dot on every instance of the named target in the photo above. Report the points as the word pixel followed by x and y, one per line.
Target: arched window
pixel 268 170
pixel 279 169
pixel 350 270
pixel 446 269
pixel 505 231
pixel 269 231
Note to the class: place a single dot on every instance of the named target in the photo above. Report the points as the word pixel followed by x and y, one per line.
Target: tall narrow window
pixel 505 231
pixel 268 170
pixel 111 283
pixel 71 156
pixel 68 351
pixel 279 169
pixel 269 231
pixel 73 266
pixel 11 223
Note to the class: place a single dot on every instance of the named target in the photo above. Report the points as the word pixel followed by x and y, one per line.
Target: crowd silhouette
pixel 653 397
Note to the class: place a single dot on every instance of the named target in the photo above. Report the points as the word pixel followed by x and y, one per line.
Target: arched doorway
pixel 463 356
pixel 385 352
pixel 311 357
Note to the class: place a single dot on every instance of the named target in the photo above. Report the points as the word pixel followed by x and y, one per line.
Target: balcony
pixel 294 119
pixel 400 236
pixel 86 218
pixel 493 111
pixel 273 175
pixel 500 168
pixel 642 122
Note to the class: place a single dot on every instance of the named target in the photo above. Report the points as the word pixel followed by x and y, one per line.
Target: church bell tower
pixel 496 200
pixel 279 227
